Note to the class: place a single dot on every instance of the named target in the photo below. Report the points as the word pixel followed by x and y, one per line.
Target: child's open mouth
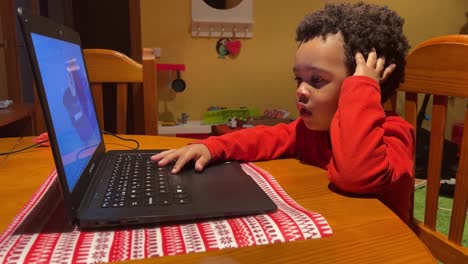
pixel 305 112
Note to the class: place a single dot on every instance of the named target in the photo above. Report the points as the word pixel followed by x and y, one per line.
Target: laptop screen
pixel 67 92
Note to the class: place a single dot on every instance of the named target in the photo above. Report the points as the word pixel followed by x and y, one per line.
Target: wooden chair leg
pixel 98 103
pixel 150 93
pixel 138 108
pixel 121 113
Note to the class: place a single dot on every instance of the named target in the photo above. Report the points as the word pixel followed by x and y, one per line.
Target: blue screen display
pixel 70 102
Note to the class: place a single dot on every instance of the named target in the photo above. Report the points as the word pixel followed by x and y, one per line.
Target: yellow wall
pixel 261 76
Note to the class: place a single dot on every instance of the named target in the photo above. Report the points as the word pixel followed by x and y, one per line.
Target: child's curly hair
pixel 363 26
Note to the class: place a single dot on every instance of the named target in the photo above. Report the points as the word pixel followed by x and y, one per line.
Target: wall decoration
pixel 228 18
pixel 226 46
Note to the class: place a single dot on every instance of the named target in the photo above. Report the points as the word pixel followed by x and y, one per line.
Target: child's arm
pixel 370 151
pixel 257 143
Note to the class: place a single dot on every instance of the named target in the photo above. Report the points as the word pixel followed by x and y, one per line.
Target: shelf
pixel 191 127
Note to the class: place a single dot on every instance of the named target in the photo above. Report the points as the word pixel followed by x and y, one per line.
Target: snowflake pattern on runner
pixel 41 232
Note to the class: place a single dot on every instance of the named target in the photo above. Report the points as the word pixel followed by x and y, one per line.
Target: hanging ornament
pixel 226 46
pixel 221 48
pixel 233 47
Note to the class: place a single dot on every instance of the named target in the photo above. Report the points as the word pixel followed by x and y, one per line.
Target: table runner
pixel 41 232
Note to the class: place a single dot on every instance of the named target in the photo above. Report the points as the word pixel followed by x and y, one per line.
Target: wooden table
pixel 364 230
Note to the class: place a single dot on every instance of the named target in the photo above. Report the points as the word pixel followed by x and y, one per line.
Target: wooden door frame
pixel 136 53
pixel 134 20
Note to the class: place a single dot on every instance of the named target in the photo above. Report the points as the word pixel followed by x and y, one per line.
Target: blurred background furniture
pixel 438 66
pixel 17 120
pixel 112 67
pixel 118 30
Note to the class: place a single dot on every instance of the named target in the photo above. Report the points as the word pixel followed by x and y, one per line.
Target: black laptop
pixel 116 188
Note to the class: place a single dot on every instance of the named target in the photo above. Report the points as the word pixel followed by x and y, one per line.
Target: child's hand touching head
pixel 374 67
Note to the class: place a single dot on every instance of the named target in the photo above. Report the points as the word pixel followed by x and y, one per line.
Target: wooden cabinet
pixel 17 81
pixel 10 86
pixel 102 24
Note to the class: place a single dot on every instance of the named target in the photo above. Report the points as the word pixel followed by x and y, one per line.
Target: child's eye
pixel 317 81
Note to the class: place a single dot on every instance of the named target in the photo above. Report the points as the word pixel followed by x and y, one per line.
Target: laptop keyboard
pixel 138 181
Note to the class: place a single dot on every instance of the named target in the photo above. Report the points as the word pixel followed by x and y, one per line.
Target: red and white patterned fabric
pixel 41 232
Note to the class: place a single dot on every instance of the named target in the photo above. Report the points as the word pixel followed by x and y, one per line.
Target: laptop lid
pixel 67 104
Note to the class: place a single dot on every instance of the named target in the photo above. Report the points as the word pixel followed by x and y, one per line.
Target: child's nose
pixel 302 94
pixel 302 90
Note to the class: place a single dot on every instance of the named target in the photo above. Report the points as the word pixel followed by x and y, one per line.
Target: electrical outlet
pixel 157 52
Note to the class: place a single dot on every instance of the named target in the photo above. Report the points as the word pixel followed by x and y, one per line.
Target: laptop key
pixel 180 195
pixel 120 194
pixel 118 200
pixel 133 203
pixel 150 200
pixel 181 201
pixel 134 195
pixel 121 204
pixel 179 190
pixel 162 190
pixel 165 202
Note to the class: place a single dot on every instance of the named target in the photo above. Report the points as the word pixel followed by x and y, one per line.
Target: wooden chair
pixel 438 67
pixel 109 66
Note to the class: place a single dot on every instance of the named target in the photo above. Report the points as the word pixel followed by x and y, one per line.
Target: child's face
pixel 319 69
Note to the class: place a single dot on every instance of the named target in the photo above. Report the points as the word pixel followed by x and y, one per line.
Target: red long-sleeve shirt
pixel 367 151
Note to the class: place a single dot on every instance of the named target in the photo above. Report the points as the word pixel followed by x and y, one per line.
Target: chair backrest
pixel 109 66
pixel 439 67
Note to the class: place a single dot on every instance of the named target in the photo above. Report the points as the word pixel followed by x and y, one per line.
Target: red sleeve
pixel 370 150
pixel 256 143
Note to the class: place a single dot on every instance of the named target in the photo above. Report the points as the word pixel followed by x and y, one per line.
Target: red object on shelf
pixel 170 67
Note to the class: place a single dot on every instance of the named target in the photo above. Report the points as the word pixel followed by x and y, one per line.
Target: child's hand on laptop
pixel 196 152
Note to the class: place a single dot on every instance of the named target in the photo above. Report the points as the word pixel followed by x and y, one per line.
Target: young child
pixel 350 59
